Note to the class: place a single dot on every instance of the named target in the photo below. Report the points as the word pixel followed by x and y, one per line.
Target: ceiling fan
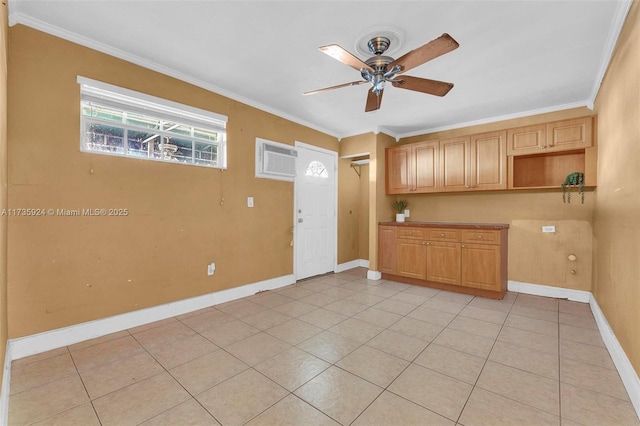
pixel 380 69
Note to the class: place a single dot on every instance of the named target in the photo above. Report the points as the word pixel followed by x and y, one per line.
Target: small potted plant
pixel 400 206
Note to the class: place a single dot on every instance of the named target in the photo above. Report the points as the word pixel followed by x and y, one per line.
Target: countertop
pixel 467 225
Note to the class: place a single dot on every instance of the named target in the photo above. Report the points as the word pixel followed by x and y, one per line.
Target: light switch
pixel 549 229
pixel 249 201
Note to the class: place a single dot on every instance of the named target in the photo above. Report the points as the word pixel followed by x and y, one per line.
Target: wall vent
pixel 275 160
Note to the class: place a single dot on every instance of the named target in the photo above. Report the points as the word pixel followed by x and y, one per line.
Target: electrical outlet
pixel 549 229
pixel 211 268
pixel 406 213
pixel 249 201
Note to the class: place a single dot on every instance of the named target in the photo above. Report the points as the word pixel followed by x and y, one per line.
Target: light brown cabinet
pixel 565 135
pixel 468 258
pixel 387 258
pixel 413 168
pixel 536 156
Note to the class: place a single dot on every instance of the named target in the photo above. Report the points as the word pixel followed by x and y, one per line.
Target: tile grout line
pixel 486 360
pixel 83 385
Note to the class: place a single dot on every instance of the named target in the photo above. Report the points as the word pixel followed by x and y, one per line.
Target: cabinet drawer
pixel 451 235
pixel 411 233
pixel 481 236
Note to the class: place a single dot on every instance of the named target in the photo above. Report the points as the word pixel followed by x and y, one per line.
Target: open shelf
pixel 547 170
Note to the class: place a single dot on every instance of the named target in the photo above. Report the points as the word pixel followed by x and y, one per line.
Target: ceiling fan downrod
pixel 380 74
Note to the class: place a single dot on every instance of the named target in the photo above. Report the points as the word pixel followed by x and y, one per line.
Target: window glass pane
pixel 182 151
pixel 206 154
pixel 102 112
pixel 140 144
pixel 100 137
pixel 205 134
pixel 177 128
pixel 142 121
pixel 317 169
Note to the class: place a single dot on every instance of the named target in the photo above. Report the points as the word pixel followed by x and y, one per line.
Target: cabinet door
pixel 455 162
pixel 411 259
pixel 569 134
pixel 398 177
pixel 387 249
pixel 526 140
pixel 489 161
pixel 443 262
pixel 481 266
pixel 426 156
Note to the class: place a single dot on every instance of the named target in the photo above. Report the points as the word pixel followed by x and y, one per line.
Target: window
pixel 118 121
pixel 317 169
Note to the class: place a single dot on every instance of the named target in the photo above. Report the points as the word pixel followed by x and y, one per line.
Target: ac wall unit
pixel 275 160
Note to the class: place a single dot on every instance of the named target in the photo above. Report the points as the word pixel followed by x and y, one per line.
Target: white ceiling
pixel 515 57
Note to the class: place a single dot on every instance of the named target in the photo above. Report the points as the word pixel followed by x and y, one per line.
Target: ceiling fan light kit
pixel 380 69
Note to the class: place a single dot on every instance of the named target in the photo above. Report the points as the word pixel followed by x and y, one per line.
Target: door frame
pixel 334 155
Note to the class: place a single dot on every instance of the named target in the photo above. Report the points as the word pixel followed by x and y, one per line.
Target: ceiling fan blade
pixel 424 85
pixel 345 57
pixel 443 44
pixel 353 83
pixel 373 101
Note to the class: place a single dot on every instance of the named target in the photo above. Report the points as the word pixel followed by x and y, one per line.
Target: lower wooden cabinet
pixel 468 258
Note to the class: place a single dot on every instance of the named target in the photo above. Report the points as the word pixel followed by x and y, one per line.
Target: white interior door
pixel 315 211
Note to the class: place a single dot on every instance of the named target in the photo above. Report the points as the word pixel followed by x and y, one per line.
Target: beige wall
pixel 617 203
pixel 534 257
pixel 349 210
pixel 3 181
pixel 363 220
pixel 65 271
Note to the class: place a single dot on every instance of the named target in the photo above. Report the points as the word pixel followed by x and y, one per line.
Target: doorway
pixel 315 211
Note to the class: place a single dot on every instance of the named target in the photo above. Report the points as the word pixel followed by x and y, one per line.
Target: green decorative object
pixel 400 205
pixel 573 179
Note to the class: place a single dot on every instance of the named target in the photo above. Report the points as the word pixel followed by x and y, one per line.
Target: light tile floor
pixel 336 349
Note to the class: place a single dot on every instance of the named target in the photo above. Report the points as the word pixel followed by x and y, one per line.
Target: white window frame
pixel 126 100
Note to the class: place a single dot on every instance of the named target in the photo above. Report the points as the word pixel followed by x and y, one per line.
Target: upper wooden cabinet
pixel 413 168
pixel 476 162
pixel 489 161
pixel 557 136
pixel 537 156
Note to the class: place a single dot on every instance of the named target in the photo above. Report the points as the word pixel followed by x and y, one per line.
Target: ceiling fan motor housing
pixel 378 45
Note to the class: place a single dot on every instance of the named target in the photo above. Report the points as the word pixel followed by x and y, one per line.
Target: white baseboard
pixel 358 263
pixel 46 341
pixel 623 365
pixel 6 387
pixel 374 275
pixel 549 291
pixel 621 361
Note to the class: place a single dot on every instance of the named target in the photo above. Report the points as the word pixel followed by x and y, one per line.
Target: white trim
pixel 612 39
pixel 362 154
pixel 6 387
pixel 549 291
pixel 374 275
pixel 621 361
pixel 488 120
pixel 357 263
pixel 48 340
pixel 128 96
pixel 20 18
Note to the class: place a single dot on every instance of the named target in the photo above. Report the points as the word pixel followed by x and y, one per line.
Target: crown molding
pixel 612 39
pixel 20 18
pixel 498 118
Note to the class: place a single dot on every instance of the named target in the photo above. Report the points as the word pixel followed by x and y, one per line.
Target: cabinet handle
pixel 426 243
pixel 442 234
pixel 410 232
pixel 479 236
pixel 463 245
